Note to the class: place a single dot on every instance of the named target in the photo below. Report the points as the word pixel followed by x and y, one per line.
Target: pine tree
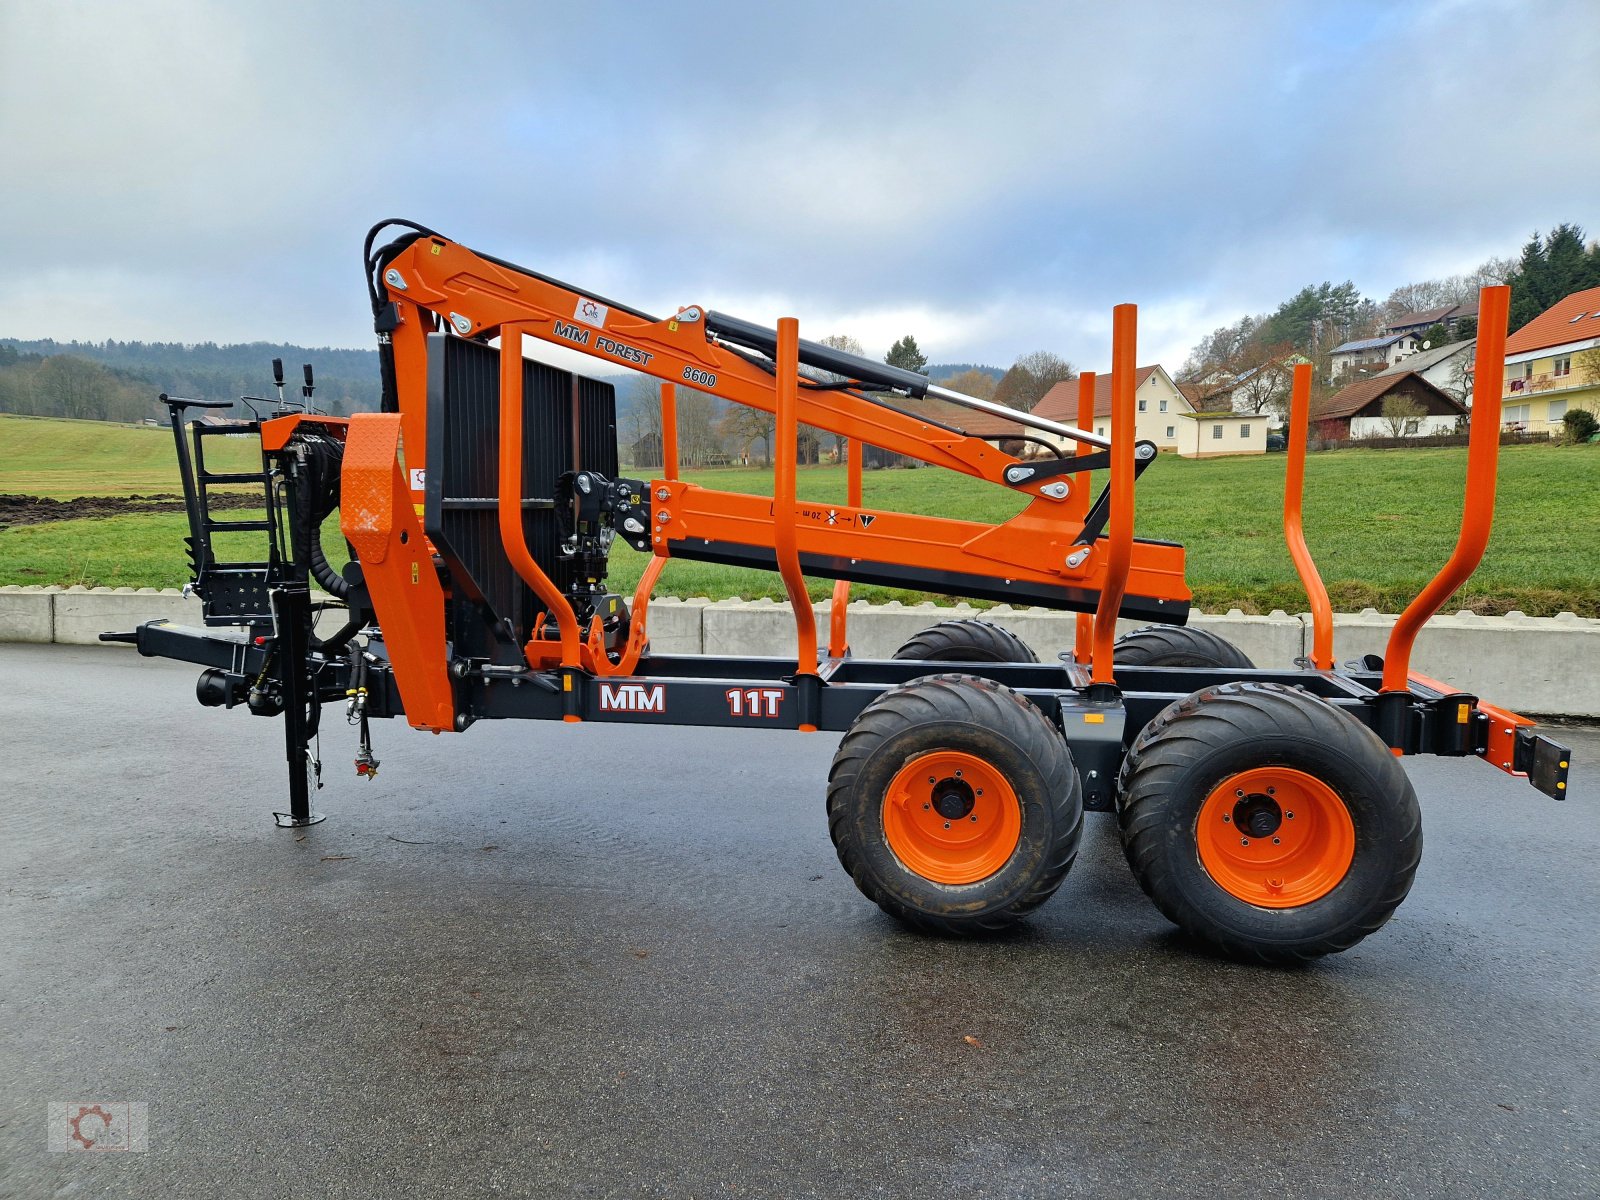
pixel 905 355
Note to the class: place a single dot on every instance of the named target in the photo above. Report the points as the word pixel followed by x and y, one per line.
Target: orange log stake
pixel 1294 528
pixel 785 440
pixel 669 431
pixel 1078 506
pixel 510 503
pixel 838 617
pixel 1477 512
pixel 1119 547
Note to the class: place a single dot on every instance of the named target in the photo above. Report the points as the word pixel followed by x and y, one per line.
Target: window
pixel 1244 430
pixel 1163 406
pixel 1172 431
pixel 1558 409
pixel 1516 414
pixel 1216 430
pixel 1101 430
pixel 1527 369
pixel 1144 405
pixel 1563 366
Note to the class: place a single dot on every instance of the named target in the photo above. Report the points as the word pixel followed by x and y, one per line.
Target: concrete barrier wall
pixel 1546 665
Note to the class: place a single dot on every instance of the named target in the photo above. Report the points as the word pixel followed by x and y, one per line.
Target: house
pixel 1162 414
pixel 1449 316
pixel 1356 410
pixel 1380 352
pixel 645 454
pixel 1447 367
pixel 1553 364
pixel 1259 390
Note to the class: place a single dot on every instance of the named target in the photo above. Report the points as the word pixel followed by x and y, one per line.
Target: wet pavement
pixel 580 960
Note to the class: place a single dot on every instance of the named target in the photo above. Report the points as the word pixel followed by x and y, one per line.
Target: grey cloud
pixel 1010 169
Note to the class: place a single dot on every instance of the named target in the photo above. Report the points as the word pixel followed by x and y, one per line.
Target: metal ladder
pixel 232 592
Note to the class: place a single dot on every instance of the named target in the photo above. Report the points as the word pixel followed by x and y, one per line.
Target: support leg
pixel 301 707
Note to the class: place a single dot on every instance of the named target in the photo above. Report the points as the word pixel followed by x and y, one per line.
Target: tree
pixel 1220 352
pixel 971 382
pixel 1402 415
pixel 1337 308
pixel 71 387
pixel 1578 425
pixel 905 355
pixel 848 345
pixel 746 426
pixel 1549 269
pixel 698 441
pixel 1030 377
pixel 1444 293
pixel 1458 384
pixel 644 408
pixel 1436 335
pixel 1586 365
pixel 1265 386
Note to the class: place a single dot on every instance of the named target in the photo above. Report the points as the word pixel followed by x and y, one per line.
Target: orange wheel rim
pixel 951 817
pixel 1275 837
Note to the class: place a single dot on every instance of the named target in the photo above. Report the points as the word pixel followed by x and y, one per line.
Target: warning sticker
pixel 419 479
pixel 590 313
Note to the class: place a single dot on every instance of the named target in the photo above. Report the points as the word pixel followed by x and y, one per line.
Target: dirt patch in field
pixel 36 510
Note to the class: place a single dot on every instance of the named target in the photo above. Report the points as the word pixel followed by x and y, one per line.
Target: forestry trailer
pixel 1263 810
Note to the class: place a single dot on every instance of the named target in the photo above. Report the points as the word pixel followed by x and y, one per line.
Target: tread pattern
pixel 1177 646
pixel 987 718
pixel 967 640
pixel 1156 803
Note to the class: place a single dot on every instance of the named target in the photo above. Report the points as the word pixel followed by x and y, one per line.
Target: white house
pixel 1447 367
pixel 1162 414
pixel 1380 352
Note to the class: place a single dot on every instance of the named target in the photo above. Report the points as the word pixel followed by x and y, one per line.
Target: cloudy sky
pixel 989 177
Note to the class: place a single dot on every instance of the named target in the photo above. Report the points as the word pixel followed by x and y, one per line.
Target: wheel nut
pixel 1227 818
pixel 931 779
pixel 1244 841
pixel 1276 842
pixel 1289 815
pixel 926 807
pixel 974 818
pixel 980 792
pixel 958 774
pixel 947 824
pixel 1239 792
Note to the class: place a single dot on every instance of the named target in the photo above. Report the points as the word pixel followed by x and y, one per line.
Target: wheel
pixel 966 641
pixel 1266 822
pixel 954 804
pixel 1177 646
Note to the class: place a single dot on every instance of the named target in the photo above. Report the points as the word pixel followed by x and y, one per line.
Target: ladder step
pixel 239 526
pixel 233 477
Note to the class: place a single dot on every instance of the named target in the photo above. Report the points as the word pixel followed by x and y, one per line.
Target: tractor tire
pixel 954 805
pixel 1177 646
pixel 967 641
pixel 1266 822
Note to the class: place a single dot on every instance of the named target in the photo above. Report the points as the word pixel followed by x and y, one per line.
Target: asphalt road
pixel 575 960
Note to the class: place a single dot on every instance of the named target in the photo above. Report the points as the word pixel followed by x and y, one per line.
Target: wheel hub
pixel 951 817
pixel 953 798
pixel 1257 815
pixel 1275 837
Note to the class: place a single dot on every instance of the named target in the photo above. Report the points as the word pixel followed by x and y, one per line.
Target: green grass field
pixel 1379 522
pixel 61 459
